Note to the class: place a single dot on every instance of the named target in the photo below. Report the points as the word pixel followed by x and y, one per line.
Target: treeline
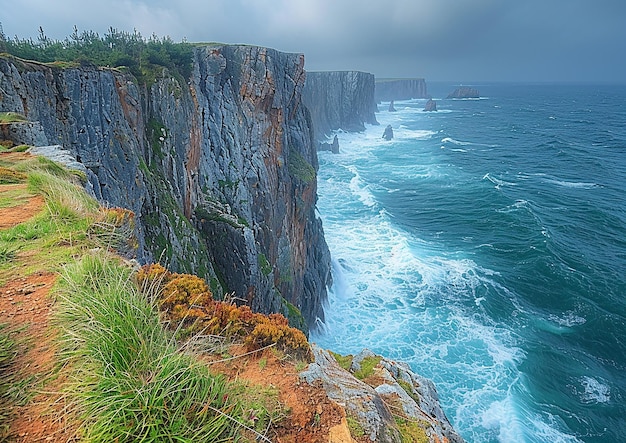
pixel 140 56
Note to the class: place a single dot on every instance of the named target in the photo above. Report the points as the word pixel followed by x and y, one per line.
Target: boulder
pixel 430 106
pixel 388 134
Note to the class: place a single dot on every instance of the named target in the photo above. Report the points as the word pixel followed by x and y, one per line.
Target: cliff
pixel 464 92
pixel 339 100
pixel 400 89
pixel 220 169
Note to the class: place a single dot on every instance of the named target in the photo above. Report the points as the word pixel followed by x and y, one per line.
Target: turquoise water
pixel 486 246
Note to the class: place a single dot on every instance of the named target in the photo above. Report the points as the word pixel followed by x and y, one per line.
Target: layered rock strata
pixel 340 100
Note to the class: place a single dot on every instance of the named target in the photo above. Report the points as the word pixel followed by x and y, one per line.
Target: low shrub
pixel 188 305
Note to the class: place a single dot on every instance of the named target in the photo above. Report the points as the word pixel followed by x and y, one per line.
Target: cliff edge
pixel 220 169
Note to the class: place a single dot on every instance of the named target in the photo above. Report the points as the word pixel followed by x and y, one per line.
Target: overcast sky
pixel 441 40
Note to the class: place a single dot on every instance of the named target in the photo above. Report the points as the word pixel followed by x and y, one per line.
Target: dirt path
pixel 25 309
pixel 23 210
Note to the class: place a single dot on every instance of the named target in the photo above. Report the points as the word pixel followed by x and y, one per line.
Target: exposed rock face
pixel 388 134
pixel 400 89
pixel 333 147
pixel 431 105
pixel 464 92
pixel 27 133
pixel 220 170
pixel 392 390
pixel 340 100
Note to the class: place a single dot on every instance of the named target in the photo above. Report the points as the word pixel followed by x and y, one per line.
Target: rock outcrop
pixel 388 402
pixel 392 108
pixel 220 168
pixel 464 92
pixel 400 89
pixel 339 100
pixel 431 105
pixel 388 133
pixel 332 147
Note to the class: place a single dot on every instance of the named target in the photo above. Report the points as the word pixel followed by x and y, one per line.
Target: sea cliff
pixel 220 169
pixel 340 100
pixel 400 89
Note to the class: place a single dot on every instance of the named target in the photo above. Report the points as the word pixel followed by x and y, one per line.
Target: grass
pixel 7 353
pixel 11 117
pixel 129 382
pixel 9 176
pixel 412 431
pixel 345 361
pixel 356 430
pixel 299 167
pixel 367 367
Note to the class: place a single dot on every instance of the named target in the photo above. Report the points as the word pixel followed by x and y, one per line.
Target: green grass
pixel 11 117
pixel 13 197
pixel 412 431
pixel 7 353
pixel 356 430
pixel 345 361
pixel 129 382
pixel 300 168
pixel 367 367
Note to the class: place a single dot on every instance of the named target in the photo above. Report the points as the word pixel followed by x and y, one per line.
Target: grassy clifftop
pixel 91 349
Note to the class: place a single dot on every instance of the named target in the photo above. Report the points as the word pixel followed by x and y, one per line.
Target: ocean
pixel 485 245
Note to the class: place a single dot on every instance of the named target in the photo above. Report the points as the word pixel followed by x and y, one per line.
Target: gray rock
pixel 393 390
pixel 24 133
pixel 333 147
pixel 391 107
pixel 388 134
pixel 400 89
pixel 431 105
pixel 464 92
pixel 219 170
pixel 339 100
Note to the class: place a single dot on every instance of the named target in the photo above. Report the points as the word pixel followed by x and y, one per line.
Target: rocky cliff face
pixel 220 169
pixel 400 89
pixel 340 100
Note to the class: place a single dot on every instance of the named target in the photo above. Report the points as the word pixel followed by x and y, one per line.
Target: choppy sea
pixel 485 245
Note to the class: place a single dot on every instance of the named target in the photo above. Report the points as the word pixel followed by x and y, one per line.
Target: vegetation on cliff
pixel 117 49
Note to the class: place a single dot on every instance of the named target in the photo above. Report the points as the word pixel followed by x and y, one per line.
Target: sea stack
pixel 431 105
pixel 388 134
pixel 464 92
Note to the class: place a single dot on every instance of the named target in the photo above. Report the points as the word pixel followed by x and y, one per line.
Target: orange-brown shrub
pixel 186 300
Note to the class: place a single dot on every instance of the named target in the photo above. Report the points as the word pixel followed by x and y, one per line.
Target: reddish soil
pixel 17 214
pixel 311 413
pixel 25 309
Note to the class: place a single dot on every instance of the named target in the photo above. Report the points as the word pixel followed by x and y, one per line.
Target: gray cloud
pixel 535 40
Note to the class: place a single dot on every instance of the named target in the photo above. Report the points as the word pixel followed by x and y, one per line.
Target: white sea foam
pixel 498 182
pixel 568 319
pixel 456 142
pixel 576 185
pixel 412 299
pixel 595 391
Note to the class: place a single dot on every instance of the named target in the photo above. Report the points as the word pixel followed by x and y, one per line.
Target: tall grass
pixel 128 380
pixel 7 353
